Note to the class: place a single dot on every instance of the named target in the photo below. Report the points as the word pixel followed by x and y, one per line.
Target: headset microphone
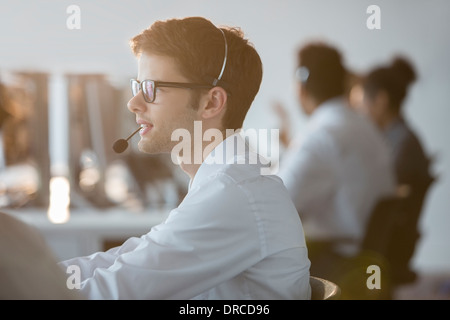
pixel 120 145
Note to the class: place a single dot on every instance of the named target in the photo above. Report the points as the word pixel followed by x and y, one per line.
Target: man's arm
pixel 203 243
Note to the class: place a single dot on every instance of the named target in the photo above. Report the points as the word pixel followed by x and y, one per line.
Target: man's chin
pixel 146 148
pixel 149 148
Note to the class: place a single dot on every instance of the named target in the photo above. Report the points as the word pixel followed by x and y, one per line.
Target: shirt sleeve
pixel 88 264
pixel 205 241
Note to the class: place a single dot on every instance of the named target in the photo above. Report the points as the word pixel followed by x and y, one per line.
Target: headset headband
pixel 224 60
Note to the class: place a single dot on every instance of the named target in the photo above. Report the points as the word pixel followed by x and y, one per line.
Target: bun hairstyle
pixel 403 71
pixel 393 79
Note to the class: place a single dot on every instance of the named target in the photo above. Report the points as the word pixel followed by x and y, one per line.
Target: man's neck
pixel 192 167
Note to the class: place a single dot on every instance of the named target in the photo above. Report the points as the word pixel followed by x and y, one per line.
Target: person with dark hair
pixel 236 234
pixel 385 89
pixel 337 168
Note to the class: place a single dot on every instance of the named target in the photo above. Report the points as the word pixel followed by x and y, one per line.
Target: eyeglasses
pixel 148 87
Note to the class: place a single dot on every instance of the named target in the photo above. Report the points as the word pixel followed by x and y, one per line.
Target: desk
pixel 90 230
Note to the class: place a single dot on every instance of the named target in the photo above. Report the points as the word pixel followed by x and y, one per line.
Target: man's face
pixel 170 110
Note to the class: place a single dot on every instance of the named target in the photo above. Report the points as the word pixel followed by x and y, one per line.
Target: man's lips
pixel 145 126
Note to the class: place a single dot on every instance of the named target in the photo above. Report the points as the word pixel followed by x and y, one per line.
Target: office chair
pixel 389 243
pixel 392 231
pixel 322 289
pixel 391 237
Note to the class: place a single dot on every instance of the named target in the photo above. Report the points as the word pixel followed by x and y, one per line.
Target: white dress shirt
pixel 335 171
pixel 236 235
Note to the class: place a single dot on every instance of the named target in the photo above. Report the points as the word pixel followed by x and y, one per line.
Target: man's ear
pixel 214 103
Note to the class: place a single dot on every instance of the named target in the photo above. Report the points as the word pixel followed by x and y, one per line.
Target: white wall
pixel 34 35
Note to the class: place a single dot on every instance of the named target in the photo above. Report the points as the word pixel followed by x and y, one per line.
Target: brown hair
pixel 394 79
pixel 198 47
pixel 326 74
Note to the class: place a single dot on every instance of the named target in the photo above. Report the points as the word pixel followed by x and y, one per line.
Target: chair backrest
pixel 392 232
pixel 385 217
pixel 322 289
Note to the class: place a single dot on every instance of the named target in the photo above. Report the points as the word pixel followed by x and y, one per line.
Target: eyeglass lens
pixel 147 89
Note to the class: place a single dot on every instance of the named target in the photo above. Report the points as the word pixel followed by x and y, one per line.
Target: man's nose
pixel 137 103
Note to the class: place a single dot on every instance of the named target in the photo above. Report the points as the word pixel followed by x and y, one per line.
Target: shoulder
pixel 236 186
pixel 402 137
pixel 239 176
pixel 31 270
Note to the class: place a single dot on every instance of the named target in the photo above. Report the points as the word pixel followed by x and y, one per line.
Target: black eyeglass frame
pixel 156 84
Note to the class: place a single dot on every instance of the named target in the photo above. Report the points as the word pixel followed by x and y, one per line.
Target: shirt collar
pixel 231 150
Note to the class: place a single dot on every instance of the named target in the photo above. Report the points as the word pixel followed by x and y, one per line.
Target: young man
pixel 237 234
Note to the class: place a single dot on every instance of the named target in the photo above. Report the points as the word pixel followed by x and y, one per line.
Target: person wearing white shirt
pixel 337 168
pixel 236 234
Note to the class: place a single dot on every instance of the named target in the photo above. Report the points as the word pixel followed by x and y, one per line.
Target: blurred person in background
pixel 385 89
pixel 18 174
pixel 4 116
pixel 29 269
pixel 337 168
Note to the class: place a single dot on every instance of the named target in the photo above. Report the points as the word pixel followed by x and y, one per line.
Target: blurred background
pixel 64 84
